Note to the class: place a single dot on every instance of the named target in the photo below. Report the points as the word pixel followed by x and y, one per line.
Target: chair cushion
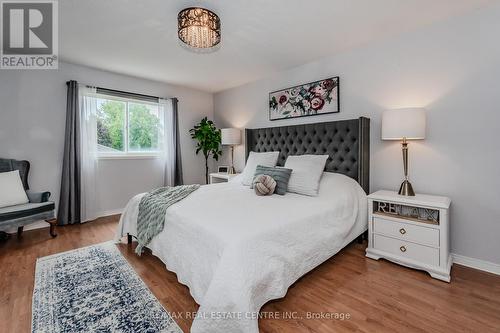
pixel 7 164
pixel 11 189
pixel 15 212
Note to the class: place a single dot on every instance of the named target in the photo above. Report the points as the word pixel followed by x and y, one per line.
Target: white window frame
pixel 129 154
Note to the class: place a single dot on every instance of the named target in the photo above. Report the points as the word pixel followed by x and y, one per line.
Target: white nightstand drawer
pixel 420 253
pixel 405 231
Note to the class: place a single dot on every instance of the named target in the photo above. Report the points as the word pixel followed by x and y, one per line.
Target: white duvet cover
pixel 236 250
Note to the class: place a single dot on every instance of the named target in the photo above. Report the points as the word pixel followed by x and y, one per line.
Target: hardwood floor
pixel 376 295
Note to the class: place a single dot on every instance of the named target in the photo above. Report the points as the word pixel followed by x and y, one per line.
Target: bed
pixel 236 250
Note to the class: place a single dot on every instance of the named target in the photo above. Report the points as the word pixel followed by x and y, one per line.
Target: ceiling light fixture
pixel 198 28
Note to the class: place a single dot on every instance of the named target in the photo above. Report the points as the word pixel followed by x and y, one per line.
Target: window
pixel 128 127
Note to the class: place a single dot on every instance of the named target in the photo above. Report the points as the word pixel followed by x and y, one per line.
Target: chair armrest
pixel 37 197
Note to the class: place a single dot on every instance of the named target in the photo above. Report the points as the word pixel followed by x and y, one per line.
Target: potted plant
pixel 208 139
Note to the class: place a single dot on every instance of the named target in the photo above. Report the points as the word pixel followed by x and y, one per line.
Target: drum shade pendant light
pixel 198 28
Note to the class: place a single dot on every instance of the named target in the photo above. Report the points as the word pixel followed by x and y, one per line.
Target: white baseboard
pixel 43 224
pixel 111 212
pixel 36 225
pixel 107 213
pixel 479 264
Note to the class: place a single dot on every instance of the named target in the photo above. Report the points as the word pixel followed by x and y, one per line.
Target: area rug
pixel 94 289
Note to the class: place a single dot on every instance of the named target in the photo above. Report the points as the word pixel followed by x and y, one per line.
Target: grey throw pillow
pixel 280 175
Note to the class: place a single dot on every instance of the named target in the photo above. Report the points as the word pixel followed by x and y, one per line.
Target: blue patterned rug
pixel 94 289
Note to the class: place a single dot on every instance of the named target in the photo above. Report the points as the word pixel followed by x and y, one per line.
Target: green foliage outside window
pixel 144 127
pixel 111 124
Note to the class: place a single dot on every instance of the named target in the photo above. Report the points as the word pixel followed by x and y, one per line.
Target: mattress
pixel 236 250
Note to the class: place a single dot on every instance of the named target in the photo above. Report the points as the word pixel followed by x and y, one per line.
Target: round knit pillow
pixel 264 185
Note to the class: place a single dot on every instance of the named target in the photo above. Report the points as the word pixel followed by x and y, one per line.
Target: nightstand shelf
pixel 410 231
pixel 217 177
pixel 406 218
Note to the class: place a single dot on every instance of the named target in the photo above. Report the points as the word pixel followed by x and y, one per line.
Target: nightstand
pixel 221 177
pixel 410 231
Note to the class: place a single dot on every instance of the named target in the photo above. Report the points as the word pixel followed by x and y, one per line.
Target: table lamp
pixel 231 137
pixel 404 124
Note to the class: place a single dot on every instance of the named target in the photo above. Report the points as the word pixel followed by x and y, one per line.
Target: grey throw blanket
pixel 152 211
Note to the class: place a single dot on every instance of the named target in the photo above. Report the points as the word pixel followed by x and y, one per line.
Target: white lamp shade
pixel 403 123
pixel 231 136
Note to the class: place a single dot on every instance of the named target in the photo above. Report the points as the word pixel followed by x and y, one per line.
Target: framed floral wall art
pixel 314 98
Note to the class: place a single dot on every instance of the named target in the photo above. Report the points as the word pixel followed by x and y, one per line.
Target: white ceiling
pixel 259 37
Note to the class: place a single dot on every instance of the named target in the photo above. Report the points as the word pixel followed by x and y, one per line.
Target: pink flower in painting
pixel 283 99
pixel 317 90
pixel 317 103
pixel 328 84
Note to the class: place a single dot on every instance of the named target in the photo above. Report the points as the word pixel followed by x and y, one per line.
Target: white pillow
pixel 306 174
pixel 268 159
pixel 11 189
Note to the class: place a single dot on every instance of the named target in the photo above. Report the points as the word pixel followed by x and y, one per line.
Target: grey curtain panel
pixel 69 200
pixel 178 180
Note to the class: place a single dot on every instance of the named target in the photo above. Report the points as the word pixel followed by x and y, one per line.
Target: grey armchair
pixel 38 208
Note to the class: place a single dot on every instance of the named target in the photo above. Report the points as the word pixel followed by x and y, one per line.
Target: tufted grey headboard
pixel 346 141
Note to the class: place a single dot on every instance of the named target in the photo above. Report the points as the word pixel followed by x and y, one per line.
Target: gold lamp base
pixel 231 170
pixel 406 189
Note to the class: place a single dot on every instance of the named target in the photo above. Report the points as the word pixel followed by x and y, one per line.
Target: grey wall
pixel 453 70
pixel 32 120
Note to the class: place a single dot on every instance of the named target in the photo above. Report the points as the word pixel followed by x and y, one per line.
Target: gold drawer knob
pixel 402 231
pixel 402 248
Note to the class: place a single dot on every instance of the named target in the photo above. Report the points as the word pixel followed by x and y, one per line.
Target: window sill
pixel 130 157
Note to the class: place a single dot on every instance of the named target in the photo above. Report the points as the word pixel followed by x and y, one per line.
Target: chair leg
pixel 53 224
pixel 19 232
pixel 4 236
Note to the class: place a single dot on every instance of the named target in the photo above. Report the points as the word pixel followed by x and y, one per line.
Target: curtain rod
pixel 124 93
